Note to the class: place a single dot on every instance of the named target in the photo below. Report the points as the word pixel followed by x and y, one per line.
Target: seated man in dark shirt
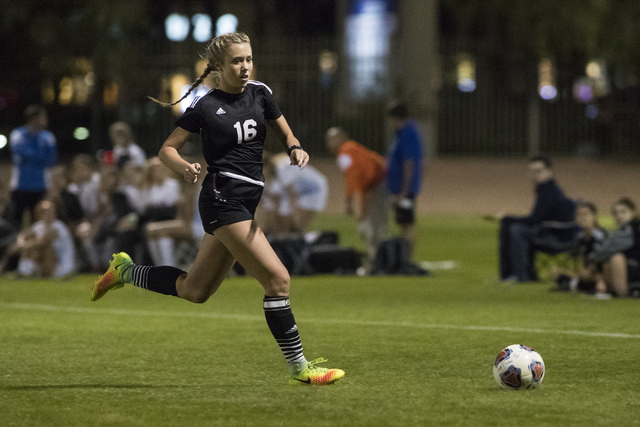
pixel 519 235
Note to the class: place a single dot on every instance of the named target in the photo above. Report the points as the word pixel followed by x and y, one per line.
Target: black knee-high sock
pixel 157 279
pixel 283 327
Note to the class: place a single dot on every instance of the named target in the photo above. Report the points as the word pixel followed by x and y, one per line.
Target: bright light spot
pixel 467 85
pixel 548 92
pixel 66 91
pixel 466 74
pixel 368 30
pixel 582 91
pixel 227 23
pixel 328 62
pixel 201 27
pixel 3 141
pixel 547 79
pixel 591 111
pixel 595 70
pixel 176 27
pixel 81 133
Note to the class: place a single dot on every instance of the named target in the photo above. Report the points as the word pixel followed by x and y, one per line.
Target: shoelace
pixel 311 366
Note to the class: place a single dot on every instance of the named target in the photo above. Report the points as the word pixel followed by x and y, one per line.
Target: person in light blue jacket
pixel 33 152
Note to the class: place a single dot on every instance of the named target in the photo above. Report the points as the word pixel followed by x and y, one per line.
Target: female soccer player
pixel 231 120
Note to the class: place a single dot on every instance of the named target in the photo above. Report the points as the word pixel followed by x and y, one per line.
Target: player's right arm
pixel 171 158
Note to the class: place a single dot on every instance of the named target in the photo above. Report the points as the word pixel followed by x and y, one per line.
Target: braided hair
pixel 215 54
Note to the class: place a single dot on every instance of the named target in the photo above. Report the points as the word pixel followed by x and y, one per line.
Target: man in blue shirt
pixel 518 235
pixel 404 173
pixel 33 150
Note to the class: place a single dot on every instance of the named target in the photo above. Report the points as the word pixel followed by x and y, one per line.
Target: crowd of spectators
pixel 60 218
pixel 605 262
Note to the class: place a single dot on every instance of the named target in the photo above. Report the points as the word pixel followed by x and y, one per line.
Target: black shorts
pixel 225 201
pixel 406 214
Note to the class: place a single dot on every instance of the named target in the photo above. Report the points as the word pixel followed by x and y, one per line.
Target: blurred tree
pixel 44 38
pixel 604 29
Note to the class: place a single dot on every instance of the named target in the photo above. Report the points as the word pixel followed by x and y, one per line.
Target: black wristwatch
pixel 293 147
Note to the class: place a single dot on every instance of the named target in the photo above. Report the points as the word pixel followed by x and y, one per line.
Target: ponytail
pixel 195 84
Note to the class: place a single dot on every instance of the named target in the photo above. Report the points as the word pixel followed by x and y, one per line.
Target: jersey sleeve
pixel 192 120
pixel 271 110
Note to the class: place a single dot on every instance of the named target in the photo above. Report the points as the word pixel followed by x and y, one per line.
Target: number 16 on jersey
pixel 246 131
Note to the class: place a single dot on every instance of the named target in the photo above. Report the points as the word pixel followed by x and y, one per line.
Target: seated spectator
pixel 292 195
pixel 620 251
pixel 46 249
pixel 587 272
pixel 114 228
pixel 67 204
pixel 160 194
pixel 517 234
pixel 84 183
pixel 124 148
pixel 162 236
pixel 133 185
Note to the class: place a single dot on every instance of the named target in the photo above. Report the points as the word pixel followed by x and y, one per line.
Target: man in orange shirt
pixel 364 171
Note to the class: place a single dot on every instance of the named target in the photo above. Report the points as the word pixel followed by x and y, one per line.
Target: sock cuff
pixel 275 303
pixel 140 275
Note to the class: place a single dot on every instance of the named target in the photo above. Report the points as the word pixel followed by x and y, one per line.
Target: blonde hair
pixel 215 54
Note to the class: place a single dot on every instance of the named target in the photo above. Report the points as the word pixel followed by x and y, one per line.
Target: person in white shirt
pixel 293 195
pixel 46 248
pixel 124 147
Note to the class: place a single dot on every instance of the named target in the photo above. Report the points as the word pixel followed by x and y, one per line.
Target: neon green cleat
pixel 313 375
pixel 114 277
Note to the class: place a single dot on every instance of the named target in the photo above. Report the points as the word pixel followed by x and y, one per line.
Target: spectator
pixel 404 170
pixel 620 252
pixel 364 172
pixel 161 193
pixel 292 195
pixel 587 272
pixel 85 182
pixel 133 185
pixel 517 233
pixel 34 151
pixel 162 236
pixel 67 204
pixel 124 148
pixel 114 226
pixel 46 248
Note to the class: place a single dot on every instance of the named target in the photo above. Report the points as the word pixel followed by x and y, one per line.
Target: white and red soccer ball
pixel 518 367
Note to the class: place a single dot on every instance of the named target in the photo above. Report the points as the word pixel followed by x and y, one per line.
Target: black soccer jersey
pixel 233 129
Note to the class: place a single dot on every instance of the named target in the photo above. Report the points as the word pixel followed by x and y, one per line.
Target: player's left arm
pixel 287 139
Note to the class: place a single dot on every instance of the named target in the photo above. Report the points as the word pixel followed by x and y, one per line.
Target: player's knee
pixel 278 284
pixel 192 292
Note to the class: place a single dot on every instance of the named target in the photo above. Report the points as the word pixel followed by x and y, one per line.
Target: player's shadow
pixel 87 386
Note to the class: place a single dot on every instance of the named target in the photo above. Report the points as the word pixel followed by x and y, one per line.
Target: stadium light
pixel 176 27
pixel 3 141
pixel 201 27
pixel 227 23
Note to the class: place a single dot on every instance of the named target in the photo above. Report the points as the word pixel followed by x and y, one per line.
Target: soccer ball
pixel 518 367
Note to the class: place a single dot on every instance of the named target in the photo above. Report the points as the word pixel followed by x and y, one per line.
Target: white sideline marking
pixel 148 313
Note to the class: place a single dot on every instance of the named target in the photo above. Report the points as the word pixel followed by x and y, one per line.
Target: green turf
pixel 416 351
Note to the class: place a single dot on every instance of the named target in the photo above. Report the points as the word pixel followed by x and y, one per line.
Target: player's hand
pixel 192 172
pixel 299 158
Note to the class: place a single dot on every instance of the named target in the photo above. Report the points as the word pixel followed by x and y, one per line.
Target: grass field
pixel 416 351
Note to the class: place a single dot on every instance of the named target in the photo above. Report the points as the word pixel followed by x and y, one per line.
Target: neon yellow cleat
pixel 311 374
pixel 114 278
